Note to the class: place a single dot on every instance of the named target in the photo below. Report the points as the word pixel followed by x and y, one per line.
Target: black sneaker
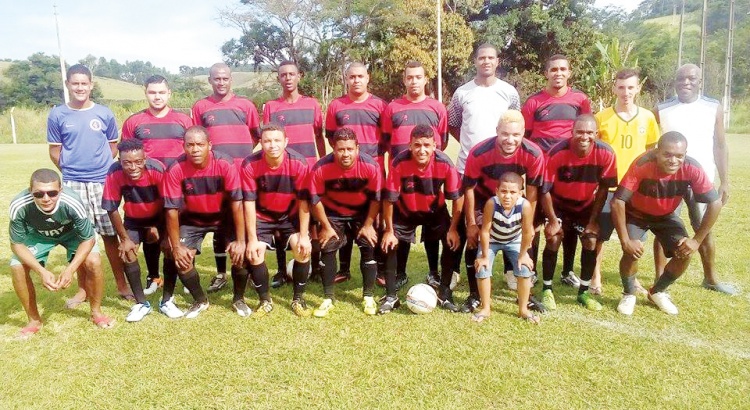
pixel 471 304
pixel 433 279
pixel 388 305
pixel 401 281
pixel 445 300
pixel 535 305
pixel 217 282
pixel 279 279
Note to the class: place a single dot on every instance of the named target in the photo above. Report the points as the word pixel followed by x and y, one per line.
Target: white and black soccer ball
pixel 421 298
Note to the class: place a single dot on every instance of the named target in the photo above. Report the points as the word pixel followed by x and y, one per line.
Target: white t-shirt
pixel 696 121
pixel 476 110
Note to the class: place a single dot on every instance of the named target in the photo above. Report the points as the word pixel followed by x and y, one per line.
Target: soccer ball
pixel 290 266
pixel 421 298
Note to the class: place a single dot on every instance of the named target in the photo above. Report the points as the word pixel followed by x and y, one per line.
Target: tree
pixel 34 82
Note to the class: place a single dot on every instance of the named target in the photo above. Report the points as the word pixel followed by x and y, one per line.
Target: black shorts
pixel 138 234
pixel 668 230
pixel 347 230
pixel 575 221
pixel 434 227
pixel 266 233
pixel 192 236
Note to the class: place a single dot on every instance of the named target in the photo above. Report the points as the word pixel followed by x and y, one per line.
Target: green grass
pixel 574 359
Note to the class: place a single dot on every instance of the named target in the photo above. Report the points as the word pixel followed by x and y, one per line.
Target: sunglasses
pixel 41 194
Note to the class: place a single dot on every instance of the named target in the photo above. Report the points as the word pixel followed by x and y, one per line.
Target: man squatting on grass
pixel 646 199
pixel 41 217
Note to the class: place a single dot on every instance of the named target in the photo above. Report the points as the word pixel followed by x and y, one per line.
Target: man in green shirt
pixel 41 217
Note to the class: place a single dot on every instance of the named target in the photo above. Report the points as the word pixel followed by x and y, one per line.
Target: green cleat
pixel 369 306
pixel 588 301
pixel 548 299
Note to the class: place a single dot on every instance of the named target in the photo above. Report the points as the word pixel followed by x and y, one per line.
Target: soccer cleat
pixel 152 285
pixel 433 279
pixel 511 280
pixel 342 276
pixel 278 280
pixel 626 305
pixel 299 307
pixel 369 306
pixel 471 304
pixel 195 310
pixel 389 304
pixel 535 305
pixel 380 280
pixel 588 301
pixel 663 301
pixel 726 288
pixel 401 281
pixel 571 280
pixel 217 282
pixel 455 280
pixel 548 299
pixel 264 308
pixel 534 279
pixel 138 312
pixel 241 308
pixel 445 301
pixel 324 308
pixel 169 309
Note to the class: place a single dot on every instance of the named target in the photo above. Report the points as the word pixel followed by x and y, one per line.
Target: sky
pixel 168 33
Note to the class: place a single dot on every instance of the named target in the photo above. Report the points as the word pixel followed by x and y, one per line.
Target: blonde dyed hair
pixel 511 116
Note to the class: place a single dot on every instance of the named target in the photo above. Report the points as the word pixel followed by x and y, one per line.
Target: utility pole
pixel 703 46
pixel 728 67
pixel 439 53
pixel 679 51
pixel 62 60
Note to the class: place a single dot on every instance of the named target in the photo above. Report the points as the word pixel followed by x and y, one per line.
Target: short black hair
pixel 289 62
pixel 199 129
pixel 555 57
pixel 78 69
pixel 272 126
pixel 422 131
pixel 511 177
pixel 671 137
pixel 486 45
pixel 130 144
pixel 156 79
pixel 344 134
pixel 45 176
pixel 626 73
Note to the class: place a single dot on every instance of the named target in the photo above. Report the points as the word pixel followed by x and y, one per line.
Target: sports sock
pixel 239 282
pixel 628 284
pixel 432 249
pixel 329 273
pixel 369 269
pixel 390 272
pixel 151 252
pixel 470 256
pixel 345 256
pixel 192 281
pixel 447 263
pixel 170 279
pixel 549 262
pixel 133 273
pixel 299 276
pixel 402 257
pixel 281 260
pixel 259 273
pixel 534 250
pixel 569 245
pixel 220 255
pixel 315 257
pixel 588 263
pixel 667 278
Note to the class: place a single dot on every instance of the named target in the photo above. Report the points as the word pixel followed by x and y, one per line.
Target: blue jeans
pixel 511 250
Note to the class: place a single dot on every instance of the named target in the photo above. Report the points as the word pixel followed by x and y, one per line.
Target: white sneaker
pixel 664 302
pixel 195 310
pixel 138 312
pixel 152 285
pixel 511 280
pixel 626 305
pixel 170 309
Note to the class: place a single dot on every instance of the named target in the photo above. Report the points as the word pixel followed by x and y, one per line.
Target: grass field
pixel 574 359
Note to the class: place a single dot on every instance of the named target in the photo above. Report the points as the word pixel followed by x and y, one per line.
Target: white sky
pixel 168 33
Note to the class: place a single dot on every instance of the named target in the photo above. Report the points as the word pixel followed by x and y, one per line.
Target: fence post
pixel 13 125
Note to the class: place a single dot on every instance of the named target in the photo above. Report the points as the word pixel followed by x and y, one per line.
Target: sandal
pixel 478 317
pixel 595 290
pixel 73 303
pixel 29 331
pixel 531 318
pixel 103 322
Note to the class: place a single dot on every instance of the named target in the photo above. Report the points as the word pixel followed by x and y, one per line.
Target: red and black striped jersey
pixel 572 181
pixel 550 119
pixel 364 118
pixel 233 125
pixel 202 195
pixel 652 194
pixel 420 193
pixel 402 115
pixel 143 200
pixel 486 163
pixel 346 193
pixel 162 137
pixel 300 119
pixel 275 190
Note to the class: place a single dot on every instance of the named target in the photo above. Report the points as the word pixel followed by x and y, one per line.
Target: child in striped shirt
pixel 507 225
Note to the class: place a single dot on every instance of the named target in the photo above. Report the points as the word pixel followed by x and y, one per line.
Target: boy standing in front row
pixel 508 226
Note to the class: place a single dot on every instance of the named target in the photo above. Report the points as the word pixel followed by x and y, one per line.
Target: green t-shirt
pixel 69 219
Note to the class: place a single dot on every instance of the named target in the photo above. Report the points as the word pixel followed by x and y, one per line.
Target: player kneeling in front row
pixel 274 185
pixel 138 180
pixel 41 217
pixel 646 199
pixel 202 194
pixel 507 226
pixel 580 171
pixel 420 180
pixel 346 199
